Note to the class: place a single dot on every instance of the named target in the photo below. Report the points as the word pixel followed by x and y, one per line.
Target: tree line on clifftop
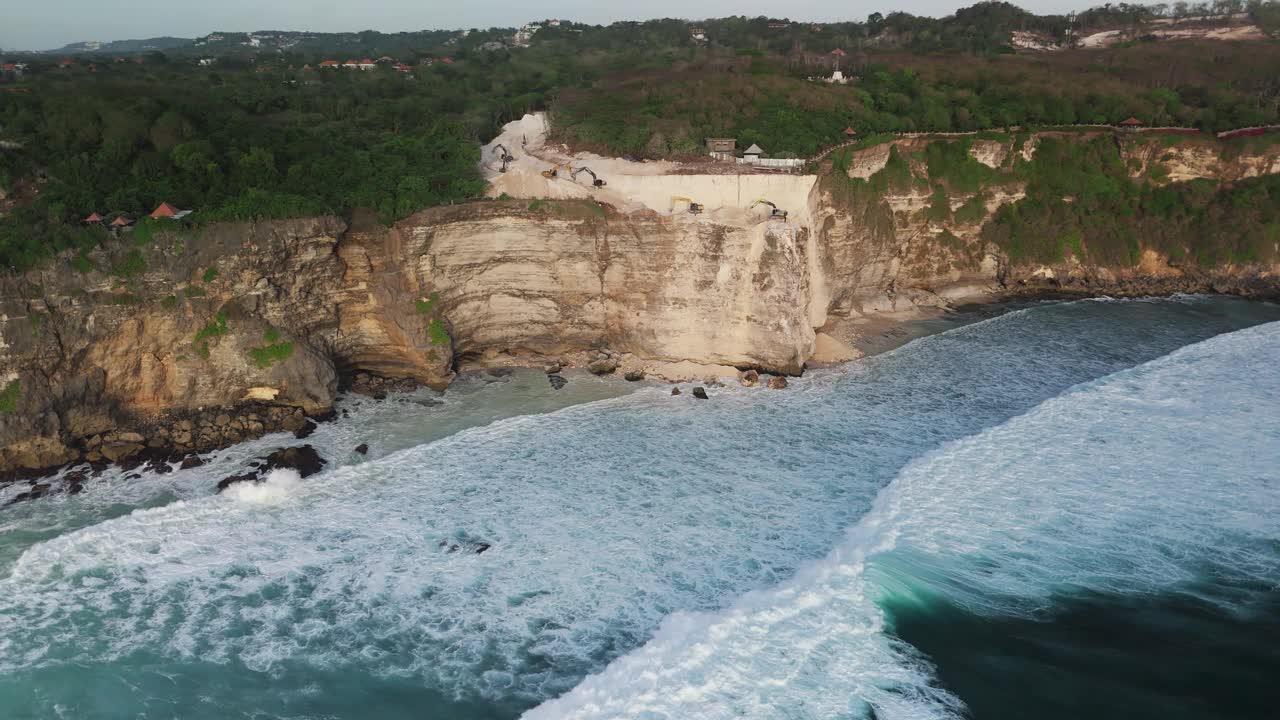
pixel 272 135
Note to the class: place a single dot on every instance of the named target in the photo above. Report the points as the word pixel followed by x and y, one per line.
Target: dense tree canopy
pixel 266 133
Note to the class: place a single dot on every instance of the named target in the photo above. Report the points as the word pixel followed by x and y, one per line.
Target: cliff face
pixel 569 276
pixel 241 315
pixel 268 316
pixel 189 342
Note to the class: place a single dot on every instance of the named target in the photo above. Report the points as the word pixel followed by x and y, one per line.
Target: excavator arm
pixel 694 208
pixel 595 181
pixel 774 211
pixel 501 151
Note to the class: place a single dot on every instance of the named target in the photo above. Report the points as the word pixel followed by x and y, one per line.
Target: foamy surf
pixel 278 485
pixel 364 592
pixel 1105 488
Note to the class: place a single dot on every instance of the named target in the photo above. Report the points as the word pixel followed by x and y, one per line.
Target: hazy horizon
pixel 50 26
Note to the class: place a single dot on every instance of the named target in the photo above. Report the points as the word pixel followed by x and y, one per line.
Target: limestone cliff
pixel 195 339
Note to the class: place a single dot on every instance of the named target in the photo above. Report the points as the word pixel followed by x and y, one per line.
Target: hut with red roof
pixel 94 219
pixel 165 210
pixel 1131 124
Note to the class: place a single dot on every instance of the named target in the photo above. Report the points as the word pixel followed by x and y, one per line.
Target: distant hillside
pixel 123 46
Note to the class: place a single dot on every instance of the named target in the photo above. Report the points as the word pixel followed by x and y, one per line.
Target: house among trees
pixel 850 132
pixel 838 53
pixel 1131 124
pixel 165 210
pixel 94 219
pixel 775 25
pixel 698 34
pixel 753 153
pixel 329 64
pixel 120 224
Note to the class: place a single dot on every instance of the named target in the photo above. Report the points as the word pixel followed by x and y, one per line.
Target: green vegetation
pixel 169 301
pixel 130 265
pixel 424 306
pixel 262 135
pixel 216 328
pixel 1081 202
pixel 273 352
pixel 82 264
pixel 210 274
pixel 973 210
pixel 9 396
pixel 437 333
pixel 939 209
pixel 667 111
pixel 192 291
pixel 951 163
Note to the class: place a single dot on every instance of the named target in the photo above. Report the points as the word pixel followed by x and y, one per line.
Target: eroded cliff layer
pixel 189 340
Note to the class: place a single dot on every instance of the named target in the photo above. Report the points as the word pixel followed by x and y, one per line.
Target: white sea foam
pixel 274 489
pixel 601 520
pixel 1132 484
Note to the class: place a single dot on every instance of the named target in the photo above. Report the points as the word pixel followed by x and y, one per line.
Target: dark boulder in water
pixel 557 381
pixel 700 393
pixel 304 459
pixel 230 480
pixel 305 431
pixel 777 383
pixel 675 391
pixel 634 375
pixel 363 448
pixel 191 461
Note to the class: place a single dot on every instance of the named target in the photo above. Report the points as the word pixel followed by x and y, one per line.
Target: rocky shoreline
pixel 172 441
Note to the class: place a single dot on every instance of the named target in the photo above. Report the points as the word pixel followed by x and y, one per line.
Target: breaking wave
pixel 671 546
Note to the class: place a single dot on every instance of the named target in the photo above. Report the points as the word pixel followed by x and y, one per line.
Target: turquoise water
pixel 761 554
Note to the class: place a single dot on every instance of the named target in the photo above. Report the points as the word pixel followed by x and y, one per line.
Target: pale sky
pixel 50 24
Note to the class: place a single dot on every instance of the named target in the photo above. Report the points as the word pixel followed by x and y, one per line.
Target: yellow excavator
pixel 555 170
pixel 775 213
pixel 501 151
pixel 595 181
pixel 694 208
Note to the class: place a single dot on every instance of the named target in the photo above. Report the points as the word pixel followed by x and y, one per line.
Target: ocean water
pixel 1067 510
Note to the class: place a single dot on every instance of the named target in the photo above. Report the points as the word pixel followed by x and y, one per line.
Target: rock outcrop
pixel 196 340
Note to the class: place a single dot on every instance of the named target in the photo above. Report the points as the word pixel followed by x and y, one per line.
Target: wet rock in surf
pixel 230 480
pixel 634 375
pixel 749 378
pixel 777 382
pixel 700 393
pixel 675 391
pixel 557 381
pixel 191 461
pixel 305 460
pixel 363 448
pixel 471 546
pixel 305 431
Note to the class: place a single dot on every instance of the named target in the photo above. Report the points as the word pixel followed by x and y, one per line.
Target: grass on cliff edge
pixel 9 396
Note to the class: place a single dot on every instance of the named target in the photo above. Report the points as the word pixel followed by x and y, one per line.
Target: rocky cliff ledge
pixel 190 341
